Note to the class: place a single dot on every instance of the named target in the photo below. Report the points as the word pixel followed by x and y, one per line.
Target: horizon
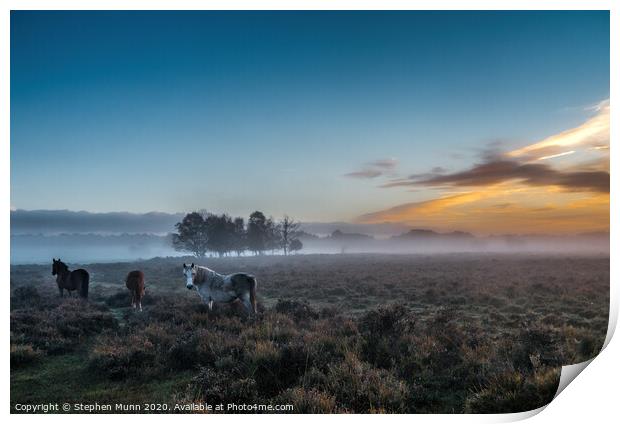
pixel 482 122
pixel 122 237
pixel 80 219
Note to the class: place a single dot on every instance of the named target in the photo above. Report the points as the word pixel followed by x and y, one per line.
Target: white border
pixel 309 5
pixel 592 398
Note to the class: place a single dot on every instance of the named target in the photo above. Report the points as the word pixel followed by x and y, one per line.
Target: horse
pixel 213 287
pixel 70 280
pixel 135 284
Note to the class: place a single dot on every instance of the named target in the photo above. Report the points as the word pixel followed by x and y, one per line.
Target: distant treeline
pixel 202 232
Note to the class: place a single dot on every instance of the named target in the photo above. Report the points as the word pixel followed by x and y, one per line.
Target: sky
pixel 488 122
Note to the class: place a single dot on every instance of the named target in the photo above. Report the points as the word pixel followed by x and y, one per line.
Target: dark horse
pixel 70 280
pixel 135 284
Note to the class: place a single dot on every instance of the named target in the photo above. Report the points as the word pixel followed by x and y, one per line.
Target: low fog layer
pixel 427 241
pixel 89 248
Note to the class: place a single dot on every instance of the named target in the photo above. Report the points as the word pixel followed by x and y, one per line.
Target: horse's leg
pixel 210 304
pixel 60 290
pixel 245 299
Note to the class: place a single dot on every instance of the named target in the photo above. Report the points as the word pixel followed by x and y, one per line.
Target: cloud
pixel 428 207
pixel 64 221
pixel 502 170
pixel 557 155
pixel 384 163
pixel 401 182
pixel 375 169
pixel 365 173
pixel 592 134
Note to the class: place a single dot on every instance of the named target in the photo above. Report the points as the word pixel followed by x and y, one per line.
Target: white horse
pixel 213 287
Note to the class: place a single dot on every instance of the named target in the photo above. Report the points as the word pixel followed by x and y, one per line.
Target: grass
pixel 341 333
pixel 67 378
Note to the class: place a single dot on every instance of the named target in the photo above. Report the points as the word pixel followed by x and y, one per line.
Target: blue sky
pixel 237 111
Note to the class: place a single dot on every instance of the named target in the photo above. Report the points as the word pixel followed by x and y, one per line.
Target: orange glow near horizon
pixel 516 210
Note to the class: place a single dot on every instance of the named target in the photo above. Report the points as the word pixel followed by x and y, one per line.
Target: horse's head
pixel 58 266
pixel 189 271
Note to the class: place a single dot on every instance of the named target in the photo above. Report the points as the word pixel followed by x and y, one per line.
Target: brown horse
pixel 70 280
pixel 135 284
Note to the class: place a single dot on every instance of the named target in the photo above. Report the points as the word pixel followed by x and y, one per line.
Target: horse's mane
pixel 202 272
pixel 63 265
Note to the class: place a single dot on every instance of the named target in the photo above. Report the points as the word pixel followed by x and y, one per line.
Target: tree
pixel 202 232
pixel 296 245
pixel 273 240
pixel 192 235
pixel 220 232
pixel 257 233
pixel 289 230
pixel 239 244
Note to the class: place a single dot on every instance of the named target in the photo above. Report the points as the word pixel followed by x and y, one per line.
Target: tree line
pixel 203 232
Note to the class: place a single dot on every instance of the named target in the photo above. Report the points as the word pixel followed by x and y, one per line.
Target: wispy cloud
pixel 390 163
pixel 558 155
pixel 502 170
pixel 594 133
pixel 375 169
pixel 428 207
pixel 365 173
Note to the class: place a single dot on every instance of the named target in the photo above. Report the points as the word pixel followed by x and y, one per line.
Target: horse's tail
pixel 141 288
pixel 142 284
pixel 84 285
pixel 253 292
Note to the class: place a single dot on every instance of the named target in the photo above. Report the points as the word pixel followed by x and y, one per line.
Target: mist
pixel 102 244
pixel 88 248
pixel 419 241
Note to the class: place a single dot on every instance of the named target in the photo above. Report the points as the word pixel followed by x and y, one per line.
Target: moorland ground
pixel 334 333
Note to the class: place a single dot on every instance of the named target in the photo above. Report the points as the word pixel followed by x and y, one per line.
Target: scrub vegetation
pixel 334 333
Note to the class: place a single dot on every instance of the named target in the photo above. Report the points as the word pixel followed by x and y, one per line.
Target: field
pixel 335 333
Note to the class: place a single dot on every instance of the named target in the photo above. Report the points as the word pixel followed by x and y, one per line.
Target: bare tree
pixel 289 231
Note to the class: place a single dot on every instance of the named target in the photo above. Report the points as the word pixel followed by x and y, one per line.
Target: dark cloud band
pixel 502 170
